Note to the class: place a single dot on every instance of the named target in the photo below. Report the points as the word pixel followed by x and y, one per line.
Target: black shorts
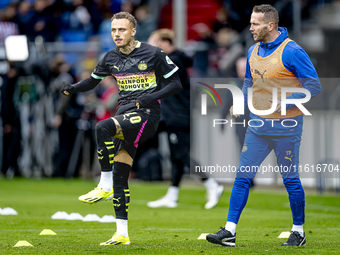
pixel 137 126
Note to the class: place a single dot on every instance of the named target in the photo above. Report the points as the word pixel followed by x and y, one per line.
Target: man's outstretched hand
pixel 67 89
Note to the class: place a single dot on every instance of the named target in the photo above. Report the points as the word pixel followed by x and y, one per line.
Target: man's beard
pixel 262 35
pixel 123 46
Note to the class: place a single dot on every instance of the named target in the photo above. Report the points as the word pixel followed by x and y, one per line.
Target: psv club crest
pixel 142 66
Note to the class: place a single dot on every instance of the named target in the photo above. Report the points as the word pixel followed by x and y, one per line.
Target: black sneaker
pixel 295 239
pixel 222 237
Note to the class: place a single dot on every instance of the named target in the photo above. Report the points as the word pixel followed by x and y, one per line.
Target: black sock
pixel 105 130
pixel 121 191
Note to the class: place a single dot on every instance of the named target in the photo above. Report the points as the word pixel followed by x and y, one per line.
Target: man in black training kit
pixel 176 120
pixel 144 74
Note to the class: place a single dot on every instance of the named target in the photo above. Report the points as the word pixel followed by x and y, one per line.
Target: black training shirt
pixel 141 72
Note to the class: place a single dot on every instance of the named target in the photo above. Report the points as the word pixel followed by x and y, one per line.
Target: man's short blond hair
pixel 125 15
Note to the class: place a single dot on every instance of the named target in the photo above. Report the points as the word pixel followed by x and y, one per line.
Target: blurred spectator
pixel 43 22
pixel 8 14
pixel 155 7
pixel 105 28
pixel 228 40
pixel 7 25
pixel 68 110
pixel 205 42
pixel 11 124
pixel 127 6
pixel 221 20
pixel 77 24
pixel 98 10
pixel 43 115
pixel 146 24
pixel 90 61
pixel 24 14
pixel 240 11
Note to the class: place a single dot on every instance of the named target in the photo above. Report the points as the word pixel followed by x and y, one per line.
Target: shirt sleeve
pixel 101 70
pixel 301 66
pixel 164 65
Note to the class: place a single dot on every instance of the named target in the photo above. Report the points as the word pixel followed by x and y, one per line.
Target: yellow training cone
pixel 203 236
pixel 284 235
pixel 22 243
pixel 49 232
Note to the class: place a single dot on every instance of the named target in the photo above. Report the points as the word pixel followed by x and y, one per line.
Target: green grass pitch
pixel 159 231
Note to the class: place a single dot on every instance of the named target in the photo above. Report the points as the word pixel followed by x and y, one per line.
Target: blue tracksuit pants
pixel 255 149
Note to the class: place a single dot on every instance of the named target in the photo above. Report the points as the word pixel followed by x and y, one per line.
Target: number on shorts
pixel 135 119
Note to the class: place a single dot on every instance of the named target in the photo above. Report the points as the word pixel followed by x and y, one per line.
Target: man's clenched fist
pixel 67 89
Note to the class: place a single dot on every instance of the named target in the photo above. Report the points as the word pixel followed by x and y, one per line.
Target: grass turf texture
pixel 159 231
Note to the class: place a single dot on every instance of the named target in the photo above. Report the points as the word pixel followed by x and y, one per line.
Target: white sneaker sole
pixel 158 205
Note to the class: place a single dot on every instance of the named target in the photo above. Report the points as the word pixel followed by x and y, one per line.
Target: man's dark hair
pixel 125 15
pixel 270 13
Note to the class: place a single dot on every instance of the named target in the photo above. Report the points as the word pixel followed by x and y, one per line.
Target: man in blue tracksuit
pixel 274 61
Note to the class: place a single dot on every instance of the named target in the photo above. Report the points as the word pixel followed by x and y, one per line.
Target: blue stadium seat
pixel 74 36
pixel 4 3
